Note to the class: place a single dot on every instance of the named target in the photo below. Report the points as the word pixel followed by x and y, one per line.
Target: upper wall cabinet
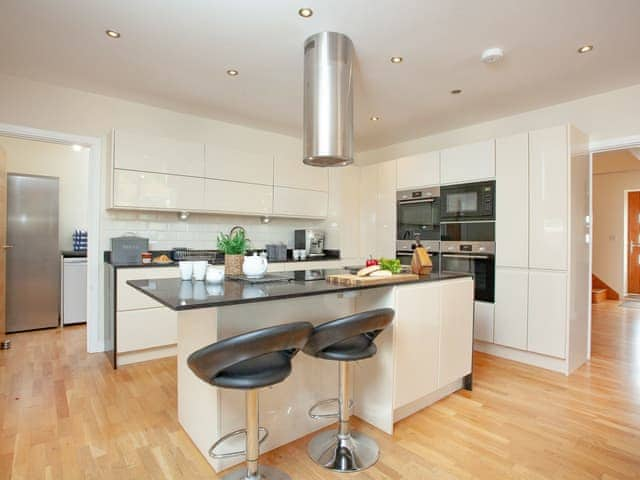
pixel 238 197
pixel 238 166
pixel 156 154
pixel 289 171
pixel 294 202
pixel 548 198
pixel 512 202
pixel 157 191
pixel 422 170
pixel 468 163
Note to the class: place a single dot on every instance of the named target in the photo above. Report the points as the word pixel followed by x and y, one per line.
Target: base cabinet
pixel 483 321
pixel 456 331
pixel 547 325
pixel 512 288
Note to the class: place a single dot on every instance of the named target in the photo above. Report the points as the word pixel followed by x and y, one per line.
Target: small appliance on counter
pixel 311 241
pixel 128 250
pixel 276 252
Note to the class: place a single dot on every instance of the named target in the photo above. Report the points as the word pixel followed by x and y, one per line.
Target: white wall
pixel 72 168
pixel 609 242
pixel 607 116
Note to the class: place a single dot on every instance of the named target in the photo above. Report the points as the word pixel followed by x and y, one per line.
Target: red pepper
pixel 371 261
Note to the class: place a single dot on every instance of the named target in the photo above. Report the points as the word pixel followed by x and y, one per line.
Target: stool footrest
pixel 243 431
pixel 321 403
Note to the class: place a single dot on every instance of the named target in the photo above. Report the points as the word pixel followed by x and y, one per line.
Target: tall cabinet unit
pixel 542 254
pixel 378 210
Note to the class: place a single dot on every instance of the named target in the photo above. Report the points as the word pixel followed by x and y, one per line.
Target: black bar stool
pixel 345 340
pixel 248 362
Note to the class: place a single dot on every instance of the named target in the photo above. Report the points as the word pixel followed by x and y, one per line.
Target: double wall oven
pixel 418 218
pixel 468 234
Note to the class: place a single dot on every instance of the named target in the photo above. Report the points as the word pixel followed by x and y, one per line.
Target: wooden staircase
pixel 600 291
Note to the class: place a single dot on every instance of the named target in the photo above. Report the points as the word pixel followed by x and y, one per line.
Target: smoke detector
pixel 492 55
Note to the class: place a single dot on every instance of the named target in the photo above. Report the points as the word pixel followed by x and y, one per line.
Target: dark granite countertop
pixel 73 254
pixel 184 295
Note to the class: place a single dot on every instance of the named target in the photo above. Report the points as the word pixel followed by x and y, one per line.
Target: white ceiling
pixel 174 54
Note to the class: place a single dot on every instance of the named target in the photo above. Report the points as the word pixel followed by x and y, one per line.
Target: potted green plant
pixel 234 246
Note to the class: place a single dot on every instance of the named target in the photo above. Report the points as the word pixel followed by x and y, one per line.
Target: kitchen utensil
pixel 421 262
pixel 200 270
pixel 356 281
pixel 254 266
pixel 186 270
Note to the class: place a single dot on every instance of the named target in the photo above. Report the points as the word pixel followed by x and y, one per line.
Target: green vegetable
pixel 233 245
pixel 393 265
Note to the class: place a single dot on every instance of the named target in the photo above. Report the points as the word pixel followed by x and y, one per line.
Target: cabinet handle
pixel 471 257
pixel 7 246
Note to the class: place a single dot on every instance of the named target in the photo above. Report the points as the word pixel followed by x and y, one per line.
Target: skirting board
pixel 147 354
pixel 530 358
pixel 422 403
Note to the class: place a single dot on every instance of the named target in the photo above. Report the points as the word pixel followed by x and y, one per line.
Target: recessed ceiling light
pixel 232 72
pixel 374 118
pixel 492 55
pixel 396 59
pixel 77 148
pixel 112 33
pixel 456 91
pixel 585 48
pixel 305 12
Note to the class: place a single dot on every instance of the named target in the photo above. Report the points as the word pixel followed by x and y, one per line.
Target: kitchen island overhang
pixel 423 357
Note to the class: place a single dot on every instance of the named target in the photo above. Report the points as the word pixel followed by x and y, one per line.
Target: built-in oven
pixel 475 258
pixel 418 214
pixel 405 248
pixel 468 202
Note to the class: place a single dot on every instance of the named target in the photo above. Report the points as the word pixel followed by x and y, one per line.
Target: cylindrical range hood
pixel 328 100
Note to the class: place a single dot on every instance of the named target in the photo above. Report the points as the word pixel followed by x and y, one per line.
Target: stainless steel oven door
pixel 481 267
pixel 418 218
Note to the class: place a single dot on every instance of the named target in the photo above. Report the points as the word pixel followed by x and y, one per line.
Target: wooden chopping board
pixel 356 281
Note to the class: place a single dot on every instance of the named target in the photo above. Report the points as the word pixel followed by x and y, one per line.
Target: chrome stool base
pixel 264 473
pixel 350 453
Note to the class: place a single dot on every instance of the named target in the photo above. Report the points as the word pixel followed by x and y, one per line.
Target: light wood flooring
pixel 67 415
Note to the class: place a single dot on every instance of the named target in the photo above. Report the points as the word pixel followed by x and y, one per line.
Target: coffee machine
pixel 311 241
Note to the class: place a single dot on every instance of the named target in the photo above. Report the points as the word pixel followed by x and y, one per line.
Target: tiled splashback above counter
pixel 165 231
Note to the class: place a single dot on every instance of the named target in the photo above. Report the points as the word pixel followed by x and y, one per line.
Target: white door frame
pixel 95 341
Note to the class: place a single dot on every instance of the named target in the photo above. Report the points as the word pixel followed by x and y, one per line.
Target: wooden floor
pixel 65 414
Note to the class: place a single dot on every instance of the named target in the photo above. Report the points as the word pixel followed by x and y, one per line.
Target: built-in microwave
pixel 468 202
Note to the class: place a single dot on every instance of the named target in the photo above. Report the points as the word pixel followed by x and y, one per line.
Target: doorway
pixel 94 204
pixel 633 242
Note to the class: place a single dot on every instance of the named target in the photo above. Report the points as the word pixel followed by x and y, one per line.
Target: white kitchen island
pixel 424 356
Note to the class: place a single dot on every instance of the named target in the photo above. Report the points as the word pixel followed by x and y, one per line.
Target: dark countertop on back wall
pixel 73 254
pixel 329 255
pixel 184 295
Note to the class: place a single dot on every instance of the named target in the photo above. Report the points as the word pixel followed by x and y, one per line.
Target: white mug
pixel 186 270
pixel 200 270
pixel 215 274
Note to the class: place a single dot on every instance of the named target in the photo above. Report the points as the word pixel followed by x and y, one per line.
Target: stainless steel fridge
pixel 33 259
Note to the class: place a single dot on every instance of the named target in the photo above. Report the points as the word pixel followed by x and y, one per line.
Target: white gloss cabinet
pixel 468 163
pixel 294 202
pixel 547 313
pixel 157 154
pixel 456 331
pixel 548 198
pixel 238 166
pixel 417 334
pixel 511 309
pixel 289 171
pixel 512 201
pixel 421 170
pixel 237 197
pixel 386 210
pixel 483 319
pixel 157 191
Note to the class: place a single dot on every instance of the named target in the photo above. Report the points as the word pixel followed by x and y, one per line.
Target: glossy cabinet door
pixel 236 197
pixel 422 170
pixel 294 202
pixel 368 201
pixel 547 313
pixel 129 298
pixel 157 154
pixel 289 171
pixel 238 166
pixel 142 329
pixel 511 308
pixel 512 201
pixel 483 321
pixel 548 198
pixel 456 331
pixel 156 191
pixel 386 210
pixel 468 163
pixel 417 334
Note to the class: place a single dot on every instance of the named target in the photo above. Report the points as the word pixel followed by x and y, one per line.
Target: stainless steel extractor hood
pixel 328 100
